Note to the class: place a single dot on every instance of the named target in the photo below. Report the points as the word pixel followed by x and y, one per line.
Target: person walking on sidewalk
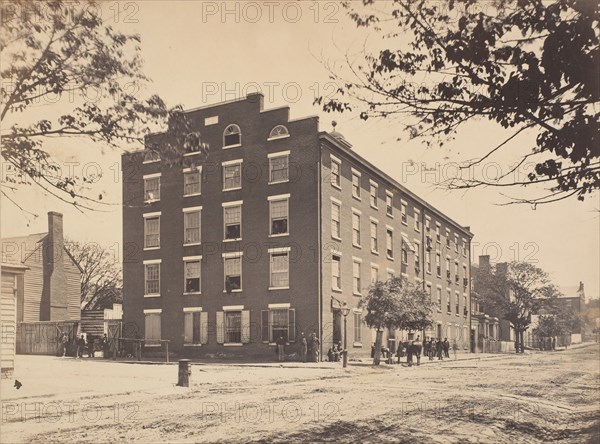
pixel 454 348
pixel 280 349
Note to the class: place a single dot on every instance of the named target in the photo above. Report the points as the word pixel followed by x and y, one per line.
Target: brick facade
pixel 200 324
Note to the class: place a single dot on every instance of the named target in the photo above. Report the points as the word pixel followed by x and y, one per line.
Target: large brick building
pixel 270 233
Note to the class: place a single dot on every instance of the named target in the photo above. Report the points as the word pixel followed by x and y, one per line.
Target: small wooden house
pixel 52 284
pixel 11 286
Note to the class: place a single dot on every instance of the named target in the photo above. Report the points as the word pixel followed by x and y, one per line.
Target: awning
pixel 408 243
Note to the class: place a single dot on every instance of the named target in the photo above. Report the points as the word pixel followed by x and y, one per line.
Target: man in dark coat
pixel 280 349
pixel 80 346
pixel 417 349
pixel 439 347
pixel 303 347
pixel 446 348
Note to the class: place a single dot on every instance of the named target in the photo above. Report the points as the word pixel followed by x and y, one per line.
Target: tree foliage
pixel 524 64
pixel 88 78
pixel 515 291
pixel 101 274
pixel 398 305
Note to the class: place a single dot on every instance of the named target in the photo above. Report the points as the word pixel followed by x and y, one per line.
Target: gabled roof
pixel 26 246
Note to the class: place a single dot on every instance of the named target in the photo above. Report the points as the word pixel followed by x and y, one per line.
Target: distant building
pixel 486 332
pixel 268 236
pixel 573 297
pixel 51 287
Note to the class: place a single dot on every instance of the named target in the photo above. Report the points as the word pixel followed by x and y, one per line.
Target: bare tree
pixel 102 278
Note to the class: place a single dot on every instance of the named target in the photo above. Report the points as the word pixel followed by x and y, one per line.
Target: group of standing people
pixel 436 347
pixel 430 347
pixel 82 345
pixel 308 348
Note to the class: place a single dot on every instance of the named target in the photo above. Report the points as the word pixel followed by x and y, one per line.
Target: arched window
pixel 232 136
pixel 151 156
pixel 278 132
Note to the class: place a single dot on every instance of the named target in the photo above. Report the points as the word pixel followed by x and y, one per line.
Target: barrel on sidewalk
pixel 184 373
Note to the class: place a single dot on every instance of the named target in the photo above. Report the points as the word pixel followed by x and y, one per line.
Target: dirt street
pixel 551 397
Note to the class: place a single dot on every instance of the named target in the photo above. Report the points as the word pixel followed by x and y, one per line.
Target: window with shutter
pixel 292 325
pixel 204 327
pixel 264 323
pixel 220 328
pixel 245 327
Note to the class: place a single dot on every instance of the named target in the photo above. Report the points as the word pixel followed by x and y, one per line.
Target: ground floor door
pixel 337 325
pixel 439 331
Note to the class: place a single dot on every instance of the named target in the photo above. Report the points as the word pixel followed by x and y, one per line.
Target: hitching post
pixel 184 373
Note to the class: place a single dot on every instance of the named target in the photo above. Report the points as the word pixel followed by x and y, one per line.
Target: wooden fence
pixel 42 338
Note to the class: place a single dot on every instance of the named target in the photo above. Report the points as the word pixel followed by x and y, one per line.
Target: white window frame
pixel 279 198
pixel 191 311
pixel 185 212
pixel 404 212
pixel 417 220
pixel 284 135
pixel 149 177
pixel 356 242
pixel 389 209
pixel 333 221
pixel 279 251
pixel 374 186
pixel 356 280
pixel 197 170
pixel 376 268
pixel 389 229
pixel 225 206
pixel 155 215
pixel 339 271
pixel 230 164
pixel 146 263
pixel 235 255
pixel 278 155
pixel 239 131
pixel 356 192
pixel 374 239
pixel 338 182
pixel 186 260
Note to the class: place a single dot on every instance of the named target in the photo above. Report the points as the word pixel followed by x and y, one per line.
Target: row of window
pixel 233 325
pixel 389 209
pixel 232 222
pixel 232 273
pixel 407 245
pixel 231 177
pixel 232 137
pixel 450 304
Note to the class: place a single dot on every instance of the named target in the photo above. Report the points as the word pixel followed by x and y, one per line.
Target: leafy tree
pixel 523 64
pixel 89 78
pixel 557 320
pixel 516 291
pixel 396 304
pixel 102 278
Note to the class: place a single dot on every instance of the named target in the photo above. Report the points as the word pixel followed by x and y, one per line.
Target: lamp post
pixel 345 310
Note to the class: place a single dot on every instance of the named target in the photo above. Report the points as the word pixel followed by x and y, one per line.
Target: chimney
pixel 256 97
pixel 484 263
pixel 55 278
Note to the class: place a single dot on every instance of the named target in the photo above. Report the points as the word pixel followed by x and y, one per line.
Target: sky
pixel 200 53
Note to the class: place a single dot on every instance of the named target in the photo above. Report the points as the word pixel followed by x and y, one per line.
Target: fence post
pixel 167 351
